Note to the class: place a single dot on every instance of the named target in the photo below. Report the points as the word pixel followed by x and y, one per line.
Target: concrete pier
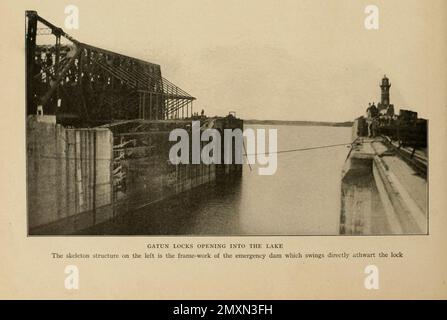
pixel 381 193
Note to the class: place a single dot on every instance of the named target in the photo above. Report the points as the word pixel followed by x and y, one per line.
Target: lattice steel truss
pixel 88 86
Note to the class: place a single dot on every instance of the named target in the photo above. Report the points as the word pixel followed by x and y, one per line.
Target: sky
pixel 266 59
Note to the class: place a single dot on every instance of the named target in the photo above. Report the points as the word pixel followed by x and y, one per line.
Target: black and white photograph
pixel 282 129
pixel 207 152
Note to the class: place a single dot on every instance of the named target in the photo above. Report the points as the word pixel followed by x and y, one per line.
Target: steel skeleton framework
pixel 88 86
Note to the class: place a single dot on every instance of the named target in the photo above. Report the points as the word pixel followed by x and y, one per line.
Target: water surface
pixel 301 198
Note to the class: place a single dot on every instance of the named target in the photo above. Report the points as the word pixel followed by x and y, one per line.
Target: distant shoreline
pixel 299 123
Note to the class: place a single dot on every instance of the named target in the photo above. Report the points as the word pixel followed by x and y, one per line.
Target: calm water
pixel 303 197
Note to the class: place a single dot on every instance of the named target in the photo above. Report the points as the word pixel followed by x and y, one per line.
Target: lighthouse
pixel 384 106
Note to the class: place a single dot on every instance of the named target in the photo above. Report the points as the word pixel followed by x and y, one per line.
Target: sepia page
pixel 223 149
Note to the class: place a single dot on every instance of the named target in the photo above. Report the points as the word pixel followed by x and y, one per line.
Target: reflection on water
pixel 302 198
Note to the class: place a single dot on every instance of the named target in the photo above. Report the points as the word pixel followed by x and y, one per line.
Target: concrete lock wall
pixel 150 177
pixel 78 178
pixel 375 199
pixel 68 171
